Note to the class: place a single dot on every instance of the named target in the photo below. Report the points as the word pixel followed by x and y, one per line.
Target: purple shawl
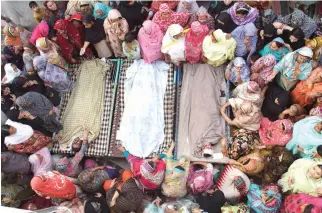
pixel 250 18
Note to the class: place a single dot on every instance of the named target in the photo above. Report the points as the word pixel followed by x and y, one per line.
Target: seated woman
pixel 303 176
pixel 41 30
pixel 262 70
pixel 224 22
pixel 276 48
pixel 315 44
pixel 166 17
pixel 116 27
pixel 156 4
pixel 13 55
pixel 293 37
pixel 307 135
pixel 247 115
pixel 12 36
pixel 148 173
pixel 12 195
pixel 203 17
pixel 241 13
pixel 101 10
pixel 217 49
pixel 317 110
pixel 264 199
pixel 277 133
pixel 50 50
pixel 200 180
pixel 266 36
pixel 53 185
pixel 41 162
pixel 237 71
pixel 173 45
pixel 176 175
pixel 22 85
pixel 294 113
pixel 307 91
pixel 250 91
pixel 15 163
pixel 12 72
pixel 29 53
pixel 302 202
pixel 150 38
pixel 131 47
pixel 22 138
pixel 193 42
pixel 6 98
pixel 39 106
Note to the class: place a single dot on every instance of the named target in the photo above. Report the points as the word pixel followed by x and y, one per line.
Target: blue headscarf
pixel 104 8
pixel 279 54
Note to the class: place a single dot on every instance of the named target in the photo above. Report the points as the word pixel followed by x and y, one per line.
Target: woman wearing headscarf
pixel 247 115
pixel 241 13
pixel 193 42
pixel 266 36
pixel 101 10
pixel 95 34
pixel 262 70
pixel 204 18
pixel 12 36
pixel 116 27
pixel 224 23
pixel 22 138
pixel 293 67
pixel 277 133
pixel 29 53
pixel 217 49
pixel 15 163
pixel 36 203
pixel 133 12
pixel 41 162
pixel 307 91
pixel 12 72
pixel 38 105
pixel 237 71
pixel 13 55
pixel 265 199
pixel 302 202
pixel 50 50
pixel 303 176
pixel 269 16
pixel 218 7
pixel 41 30
pixel 294 113
pixel 166 17
pixel 200 180
pixel 188 6
pixel 293 37
pixel 13 194
pixel 96 204
pixel 276 48
pixel 80 7
pixel 173 44
pixel 249 91
pixel 307 135
pixel 22 85
pixel 298 19
pixel 54 10
pixel 156 4
pixel 316 45
pixel 53 185
pixel 150 39
pixel 246 38
pixel 317 110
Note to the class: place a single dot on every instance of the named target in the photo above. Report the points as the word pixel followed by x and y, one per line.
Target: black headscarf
pixel 132 14
pixel 96 33
pixel 12 57
pixel 270 109
pixel 96 205
pixel 212 203
pixel 270 32
pixel 225 23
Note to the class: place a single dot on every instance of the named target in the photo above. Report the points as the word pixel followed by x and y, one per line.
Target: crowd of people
pixel 274 65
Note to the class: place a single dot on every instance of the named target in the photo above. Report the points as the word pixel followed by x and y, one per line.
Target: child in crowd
pixel 131 47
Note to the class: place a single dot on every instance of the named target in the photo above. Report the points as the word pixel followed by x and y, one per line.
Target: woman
pixel 277 133
pixel 266 36
pixel 237 71
pixel 15 163
pixel 189 6
pixel 176 175
pixel 293 37
pixel 116 27
pixel 306 134
pixel 12 72
pixel 203 17
pixel 217 49
pixel 307 91
pixel 101 10
pixel 224 23
pixel 12 36
pixel 95 34
pixel 13 55
pixel 294 113
pixel 317 111
pixel 254 163
pixel 249 91
pixel 315 44
pixel 134 14
pixel 200 180
pixel 92 180
pixel 300 202
pixel 241 13
pixel 246 38
pixel 173 44
pixel 299 19
pixel 41 162
pixel 193 42
pixel 150 39
pixel 22 85
pixel 166 17
pixel 78 7
pixel 276 48
pixel 54 11
pixel 293 67
pixel 262 70
pixel 303 176
pixel 41 30
pixel 13 194
pixel 22 138
pixel 52 75
pixel 247 115
pixel 38 105
pixel 268 17
pixel 96 204
pixel 29 53
pixel 50 50
pixel 53 185
pixel 264 200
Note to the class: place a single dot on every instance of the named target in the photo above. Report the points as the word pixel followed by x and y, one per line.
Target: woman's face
pixel 27 84
pixel 318 127
pixel 165 15
pixel 12 130
pixel 77 24
pixel 310 45
pixel 274 46
pixel 202 18
pixel 32 207
pixel 14 67
pixel 99 12
pixel 88 25
pixel 178 36
pixel 240 16
pixel 14 31
pixel 315 172
pixel 186 5
pixel 238 68
pixel 51 5
pixel 302 59
pixel 6 91
pixel 293 39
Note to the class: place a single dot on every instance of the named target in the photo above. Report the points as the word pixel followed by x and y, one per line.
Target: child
pixel 39 13
pixel 131 47
pixel 312 153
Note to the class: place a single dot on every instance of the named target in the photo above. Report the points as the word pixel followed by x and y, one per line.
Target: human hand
pixel 13 98
pixel 316 155
pixel 157 202
pixel 113 182
pixel 82 51
pixel 319 191
pixel 228 36
pixel 54 38
pixel 85 132
pixel 261 33
pixel 196 211
pixel 290 181
pixel 299 148
pixel 279 32
pixel 25 114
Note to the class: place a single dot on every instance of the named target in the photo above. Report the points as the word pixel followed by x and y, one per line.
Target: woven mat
pixel 99 147
pixel 169 107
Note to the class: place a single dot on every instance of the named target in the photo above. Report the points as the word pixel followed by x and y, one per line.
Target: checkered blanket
pixel 169 108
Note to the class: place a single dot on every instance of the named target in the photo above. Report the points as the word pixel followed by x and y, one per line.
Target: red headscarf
pixel 63 39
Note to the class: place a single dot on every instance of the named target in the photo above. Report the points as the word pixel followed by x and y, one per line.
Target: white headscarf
pixel 10 73
pixel 23 133
pixel 40 167
pixel 193 6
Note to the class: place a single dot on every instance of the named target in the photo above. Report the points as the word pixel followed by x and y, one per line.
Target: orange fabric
pixel 15 41
pixel 107 185
pixel 127 174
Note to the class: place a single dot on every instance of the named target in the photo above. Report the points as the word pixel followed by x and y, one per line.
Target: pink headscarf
pixel 265 73
pixel 41 30
pixel 38 166
pixel 193 42
pixel 150 38
pixel 271 133
pixel 200 180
